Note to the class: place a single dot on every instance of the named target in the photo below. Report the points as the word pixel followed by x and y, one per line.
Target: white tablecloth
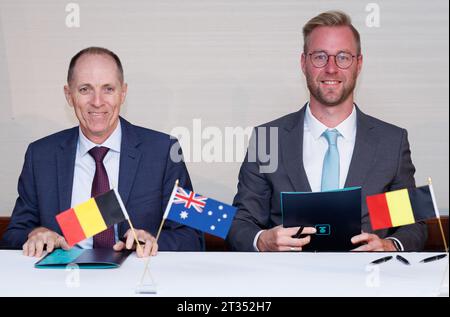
pixel 225 274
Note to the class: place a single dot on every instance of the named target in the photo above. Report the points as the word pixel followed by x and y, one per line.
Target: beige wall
pixel 231 63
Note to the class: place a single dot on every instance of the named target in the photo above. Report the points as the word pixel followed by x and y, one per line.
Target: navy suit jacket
pixel 381 162
pixel 146 179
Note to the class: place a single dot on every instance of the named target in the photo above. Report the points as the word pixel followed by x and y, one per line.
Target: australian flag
pixel 199 212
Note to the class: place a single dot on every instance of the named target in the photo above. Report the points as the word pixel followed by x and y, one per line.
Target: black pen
pixel 299 233
pixel 402 259
pixel 385 259
pixel 434 258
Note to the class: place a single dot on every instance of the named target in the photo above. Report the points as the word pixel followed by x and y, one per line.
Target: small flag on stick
pixel 197 211
pixel 402 207
pixel 91 217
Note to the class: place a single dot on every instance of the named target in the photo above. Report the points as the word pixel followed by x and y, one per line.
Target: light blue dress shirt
pixel 85 170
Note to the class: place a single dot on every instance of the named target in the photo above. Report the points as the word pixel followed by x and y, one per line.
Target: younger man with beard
pixel 365 151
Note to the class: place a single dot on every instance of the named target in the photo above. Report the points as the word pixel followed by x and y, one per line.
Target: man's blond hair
pixel 330 18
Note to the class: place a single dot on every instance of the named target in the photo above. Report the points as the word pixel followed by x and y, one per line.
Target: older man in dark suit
pixel 104 151
pixel 328 144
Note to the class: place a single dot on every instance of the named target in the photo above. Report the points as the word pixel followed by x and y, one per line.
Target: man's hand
pixel 41 237
pixel 372 243
pixel 280 239
pixel 148 246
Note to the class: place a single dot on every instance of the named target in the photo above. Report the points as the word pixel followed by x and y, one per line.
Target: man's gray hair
pixel 93 50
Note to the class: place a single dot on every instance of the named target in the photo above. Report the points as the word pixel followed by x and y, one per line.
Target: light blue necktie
pixel 330 170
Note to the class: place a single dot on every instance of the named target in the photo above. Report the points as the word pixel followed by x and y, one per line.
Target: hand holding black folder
pixel 336 215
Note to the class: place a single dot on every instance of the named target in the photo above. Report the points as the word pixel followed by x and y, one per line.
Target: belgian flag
pixel 91 217
pixel 402 207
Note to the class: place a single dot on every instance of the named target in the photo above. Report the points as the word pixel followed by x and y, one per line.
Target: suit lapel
pixel 291 144
pixel 65 166
pixel 364 152
pixel 129 159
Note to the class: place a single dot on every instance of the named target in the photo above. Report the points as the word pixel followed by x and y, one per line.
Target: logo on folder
pixel 323 230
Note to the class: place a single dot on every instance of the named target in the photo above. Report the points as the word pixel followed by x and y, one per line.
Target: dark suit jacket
pixel 381 162
pixel 146 179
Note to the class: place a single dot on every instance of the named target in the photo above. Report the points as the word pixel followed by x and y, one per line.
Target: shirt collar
pixel 346 128
pixel 113 142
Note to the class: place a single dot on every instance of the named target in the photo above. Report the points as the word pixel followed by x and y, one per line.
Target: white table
pixel 225 274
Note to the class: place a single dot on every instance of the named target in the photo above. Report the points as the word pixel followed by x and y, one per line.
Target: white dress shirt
pixel 85 170
pixel 315 147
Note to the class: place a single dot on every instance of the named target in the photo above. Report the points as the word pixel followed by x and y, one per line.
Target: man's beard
pixel 328 100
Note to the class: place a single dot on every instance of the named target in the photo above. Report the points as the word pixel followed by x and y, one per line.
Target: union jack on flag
pixel 182 197
pixel 199 212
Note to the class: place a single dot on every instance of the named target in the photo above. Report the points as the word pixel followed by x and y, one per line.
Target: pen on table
pixel 402 259
pixel 299 232
pixel 384 259
pixel 434 258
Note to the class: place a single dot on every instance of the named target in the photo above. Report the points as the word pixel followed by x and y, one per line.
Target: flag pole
pixel 138 245
pixel 438 218
pixel 166 212
pixel 124 211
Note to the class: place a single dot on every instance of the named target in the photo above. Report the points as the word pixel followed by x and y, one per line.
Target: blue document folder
pixel 336 215
pixel 84 258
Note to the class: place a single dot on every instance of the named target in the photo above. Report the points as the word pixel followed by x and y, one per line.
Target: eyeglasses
pixel 343 60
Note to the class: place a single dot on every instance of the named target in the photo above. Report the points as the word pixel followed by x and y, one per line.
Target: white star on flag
pixel 199 212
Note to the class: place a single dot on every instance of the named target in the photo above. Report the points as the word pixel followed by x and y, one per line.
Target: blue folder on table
pixel 83 258
pixel 335 214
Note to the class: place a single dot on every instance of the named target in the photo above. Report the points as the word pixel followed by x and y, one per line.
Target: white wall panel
pixel 230 63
